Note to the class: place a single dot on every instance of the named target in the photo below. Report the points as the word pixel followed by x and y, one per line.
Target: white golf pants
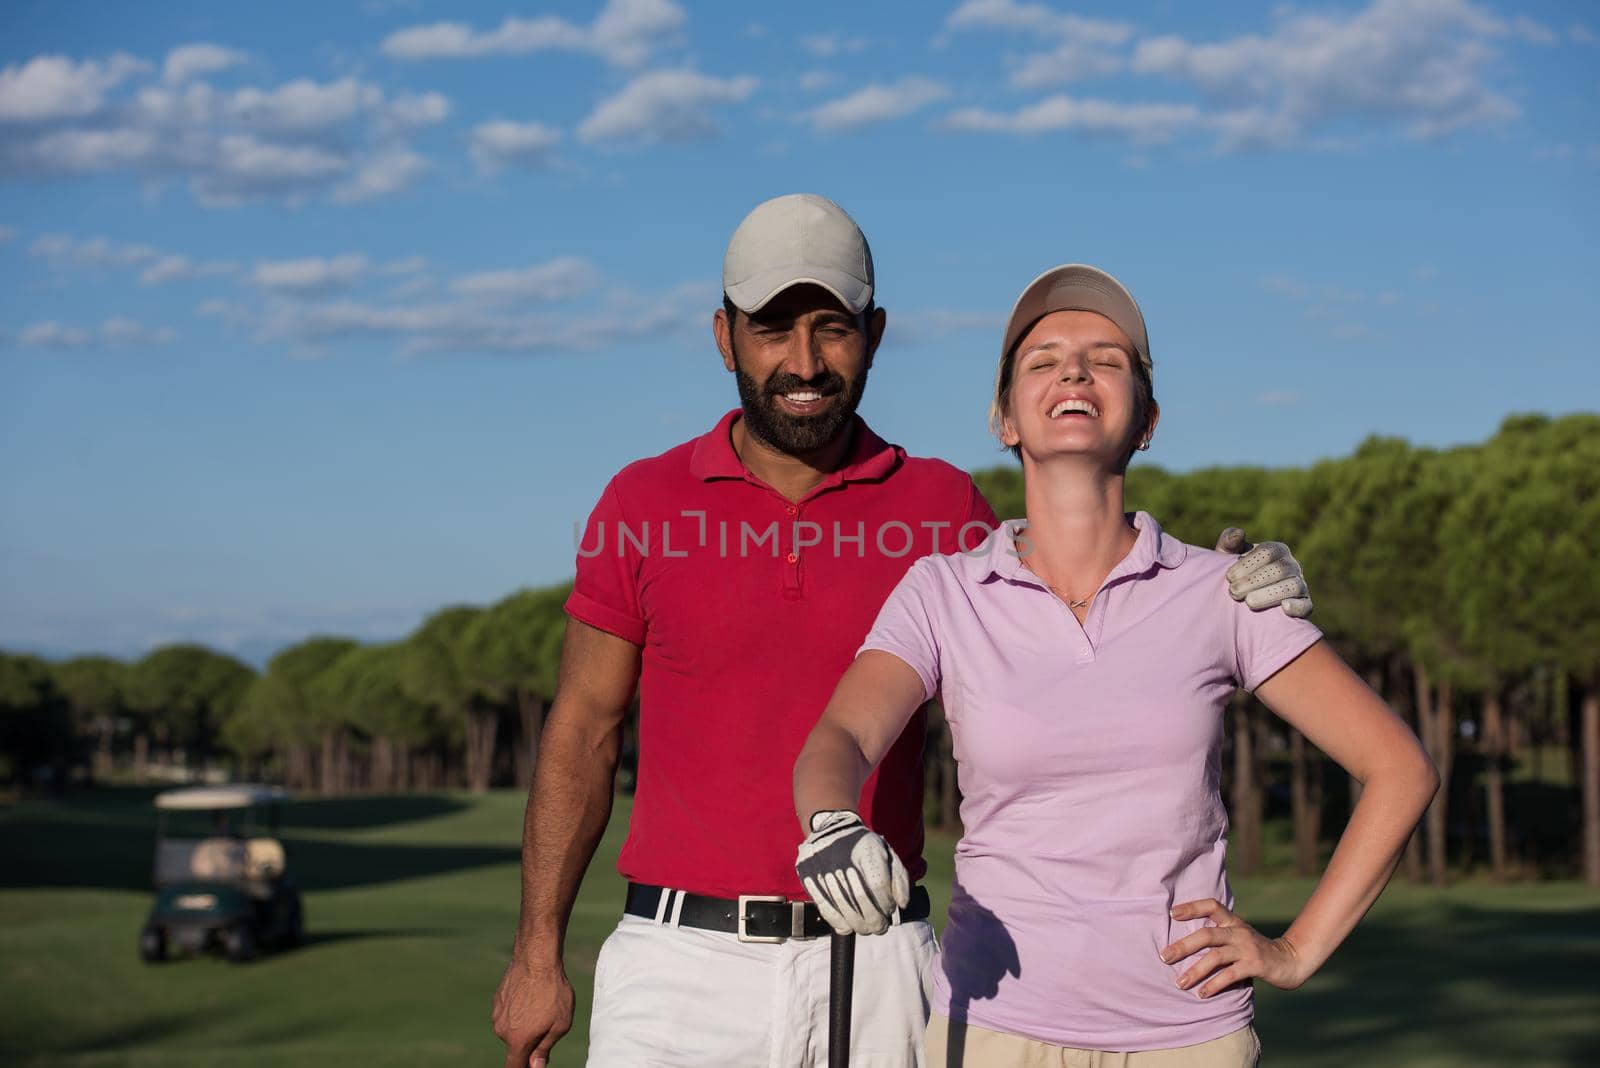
pixel 675 997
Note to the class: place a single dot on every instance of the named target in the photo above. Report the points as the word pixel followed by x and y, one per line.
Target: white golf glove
pixel 851 873
pixel 1266 575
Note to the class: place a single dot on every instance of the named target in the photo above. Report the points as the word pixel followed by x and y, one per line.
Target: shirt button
pixel 793 558
pixel 792 510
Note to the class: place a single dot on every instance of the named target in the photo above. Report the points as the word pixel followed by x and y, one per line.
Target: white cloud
pixel 178 268
pixel 411 111
pixel 55 87
pixel 1420 63
pixel 117 331
pixel 388 172
pixel 73 151
pixel 310 277
pixel 64 251
pixel 231 312
pixel 1036 18
pixel 495 145
pixel 625 33
pixel 1583 34
pixel 664 105
pixel 303 106
pixel 877 103
pixel 1533 32
pixel 123 331
pixel 53 335
pixel 96 253
pixel 821 44
pixel 813 80
pixel 7 234
pixel 195 60
pixel 346 139
pixel 1313 78
pixel 246 167
pixel 408 265
pixel 559 279
pixel 456 40
pixel 827 45
pixel 1085 47
pixel 477 319
pixel 1141 123
pixel 1072 61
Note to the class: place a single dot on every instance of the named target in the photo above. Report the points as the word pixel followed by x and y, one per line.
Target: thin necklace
pixel 1067 597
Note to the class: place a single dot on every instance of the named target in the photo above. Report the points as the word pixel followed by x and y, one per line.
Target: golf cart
pixel 220 878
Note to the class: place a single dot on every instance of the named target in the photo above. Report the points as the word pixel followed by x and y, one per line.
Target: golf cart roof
pixel 241 795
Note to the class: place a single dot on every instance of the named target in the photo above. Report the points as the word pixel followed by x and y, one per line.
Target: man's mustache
pixel 826 385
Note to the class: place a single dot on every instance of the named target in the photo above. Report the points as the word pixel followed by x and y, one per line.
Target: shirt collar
pixel 870 458
pixel 997 556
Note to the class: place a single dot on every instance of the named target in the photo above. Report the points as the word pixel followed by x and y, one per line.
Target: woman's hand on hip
pixel 1233 952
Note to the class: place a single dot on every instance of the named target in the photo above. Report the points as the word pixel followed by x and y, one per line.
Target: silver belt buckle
pixel 766 899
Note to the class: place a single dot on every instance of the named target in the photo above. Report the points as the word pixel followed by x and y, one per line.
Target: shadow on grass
pixel 106 840
pixel 320 864
pixel 316 939
pixel 361 813
pixel 149 1029
pixel 1437 980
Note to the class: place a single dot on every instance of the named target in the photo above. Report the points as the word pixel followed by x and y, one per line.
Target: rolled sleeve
pixel 605 592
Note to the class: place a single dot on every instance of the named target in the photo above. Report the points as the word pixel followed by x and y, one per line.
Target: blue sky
pixel 316 317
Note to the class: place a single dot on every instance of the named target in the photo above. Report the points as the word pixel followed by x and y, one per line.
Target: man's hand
pixel 1266 575
pixel 532 1010
pixel 853 876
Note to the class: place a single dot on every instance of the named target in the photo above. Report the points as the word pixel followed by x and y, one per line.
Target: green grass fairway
pixel 410 903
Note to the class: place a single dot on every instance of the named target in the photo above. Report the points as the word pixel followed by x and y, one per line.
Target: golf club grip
pixel 841 985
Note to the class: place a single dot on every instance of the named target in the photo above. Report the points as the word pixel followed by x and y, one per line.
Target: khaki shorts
pixel 978 1048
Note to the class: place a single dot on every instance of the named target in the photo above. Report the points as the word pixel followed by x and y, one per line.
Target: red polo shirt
pixel 748 608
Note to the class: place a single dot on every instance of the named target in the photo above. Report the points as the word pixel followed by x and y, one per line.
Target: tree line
pixel 1461 583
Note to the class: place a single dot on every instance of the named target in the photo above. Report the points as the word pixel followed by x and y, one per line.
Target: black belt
pixel 753 917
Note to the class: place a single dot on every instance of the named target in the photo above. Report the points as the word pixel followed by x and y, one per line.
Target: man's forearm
pixel 568 808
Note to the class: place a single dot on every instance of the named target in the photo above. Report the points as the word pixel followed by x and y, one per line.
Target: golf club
pixel 841 983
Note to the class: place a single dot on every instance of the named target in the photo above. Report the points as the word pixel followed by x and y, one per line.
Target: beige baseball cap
pixel 794 239
pixel 1077 287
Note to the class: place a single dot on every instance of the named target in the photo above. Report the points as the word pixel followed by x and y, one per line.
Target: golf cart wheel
pixel 152 945
pixel 239 942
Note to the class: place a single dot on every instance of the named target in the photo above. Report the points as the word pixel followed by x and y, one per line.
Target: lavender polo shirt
pixel 1089 764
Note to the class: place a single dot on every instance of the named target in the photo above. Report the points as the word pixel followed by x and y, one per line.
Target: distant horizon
pixel 258 650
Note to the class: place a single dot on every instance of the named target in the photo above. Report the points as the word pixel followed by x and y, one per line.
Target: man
pixel 732 578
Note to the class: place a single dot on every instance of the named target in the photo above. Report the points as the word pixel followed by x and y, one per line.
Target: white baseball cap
pixel 1077 287
pixel 795 239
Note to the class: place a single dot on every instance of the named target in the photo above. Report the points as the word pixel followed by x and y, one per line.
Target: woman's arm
pixel 1323 699
pixel 868 710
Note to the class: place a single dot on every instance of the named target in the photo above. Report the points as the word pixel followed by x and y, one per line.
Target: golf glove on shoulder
pixel 1266 575
pixel 852 874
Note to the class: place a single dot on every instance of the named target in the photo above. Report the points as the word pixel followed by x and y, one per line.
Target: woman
pixel 1084 660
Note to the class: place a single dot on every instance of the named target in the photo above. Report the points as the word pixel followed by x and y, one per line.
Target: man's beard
pixel 798 434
